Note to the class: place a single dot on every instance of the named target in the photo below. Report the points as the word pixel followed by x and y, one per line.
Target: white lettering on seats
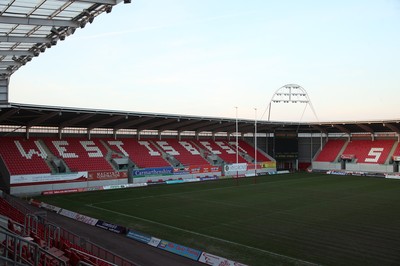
pixel 28 155
pixel 376 153
pixel 151 151
pixel 189 147
pixel 208 146
pixel 119 145
pixel 62 151
pixel 225 147
pixel 91 148
pixel 167 148
pixel 233 144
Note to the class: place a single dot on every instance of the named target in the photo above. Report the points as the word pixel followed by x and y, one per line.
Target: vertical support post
pixel 237 145
pixel 255 146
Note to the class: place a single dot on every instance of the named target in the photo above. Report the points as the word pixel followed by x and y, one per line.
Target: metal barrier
pixel 91 247
pixel 19 250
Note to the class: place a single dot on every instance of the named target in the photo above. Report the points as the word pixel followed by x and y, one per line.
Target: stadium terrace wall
pixel 357 167
pixel 30 190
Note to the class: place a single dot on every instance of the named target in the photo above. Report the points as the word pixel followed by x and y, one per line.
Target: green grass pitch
pixel 280 220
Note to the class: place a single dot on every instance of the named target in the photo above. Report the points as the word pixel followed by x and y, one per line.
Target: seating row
pixel 362 151
pixel 22 156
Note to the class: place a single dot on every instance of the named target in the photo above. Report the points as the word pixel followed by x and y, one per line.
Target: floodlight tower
pixel 290 93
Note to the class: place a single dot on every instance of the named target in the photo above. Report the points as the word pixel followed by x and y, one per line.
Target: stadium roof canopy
pixel 24 116
pixel 29 27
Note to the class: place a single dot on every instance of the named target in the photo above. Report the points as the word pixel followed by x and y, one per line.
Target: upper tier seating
pixel 247 148
pixel 397 151
pixel 23 156
pixel 330 150
pixel 368 151
pixel 143 153
pixel 220 148
pixel 184 151
pixel 80 154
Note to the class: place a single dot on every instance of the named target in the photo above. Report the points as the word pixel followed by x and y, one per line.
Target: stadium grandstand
pixel 50 149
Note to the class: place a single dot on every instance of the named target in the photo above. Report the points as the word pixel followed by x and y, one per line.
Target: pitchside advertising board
pixel 169 171
pixel 41 179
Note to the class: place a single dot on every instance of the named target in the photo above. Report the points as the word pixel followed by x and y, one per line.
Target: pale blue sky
pixel 205 57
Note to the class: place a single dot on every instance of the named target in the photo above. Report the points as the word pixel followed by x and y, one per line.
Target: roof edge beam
pixel 39 21
pixel 102 2
pixel 20 39
pixel 16 53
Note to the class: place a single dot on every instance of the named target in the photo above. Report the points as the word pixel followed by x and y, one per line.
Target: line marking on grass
pixel 204 235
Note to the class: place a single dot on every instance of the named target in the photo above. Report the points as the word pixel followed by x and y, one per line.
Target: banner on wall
pixel 181 171
pixel 152 171
pixel 269 164
pixel 190 253
pixel 111 227
pixel 106 175
pixel 201 169
pixel 211 259
pixel 236 167
pixel 48 178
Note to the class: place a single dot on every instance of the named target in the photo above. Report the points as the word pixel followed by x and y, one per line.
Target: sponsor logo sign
pixel 236 167
pixel 139 236
pixel 392 176
pixel 170 182
pixel 196 169
pixel 154 242
pixel 347 156
pixel 211 259
pixel 47 178
pixel 268 165
pixel 152 171
pixel 107 175
pixel 111 227
pixel 180 250
pixel 181 171
pixel 205 178
pixel 67 213
pixel 190 180
pixel 50 207
pixel 86 219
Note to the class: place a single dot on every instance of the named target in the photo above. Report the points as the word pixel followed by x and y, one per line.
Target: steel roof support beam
pixel 42 119
pixel 75 120
pixel 160 122
pixel 9 63
pixel 104 122
pixel 24 39
pixel 195 126
pixel 392 127
pixel 366 128
pixel 131 123
pixel 39 22
pixel 102 2
pixel 15 52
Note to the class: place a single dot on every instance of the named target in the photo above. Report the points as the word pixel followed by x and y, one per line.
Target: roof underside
pixel 29 27
pixel 29 116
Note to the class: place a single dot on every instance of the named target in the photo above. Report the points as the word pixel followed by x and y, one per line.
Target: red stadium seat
pixel 220 148
pixel 142 152
pixel 368 151
pixel 23 156
pixel 80 154
pixel 184 151
pixel 330 151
